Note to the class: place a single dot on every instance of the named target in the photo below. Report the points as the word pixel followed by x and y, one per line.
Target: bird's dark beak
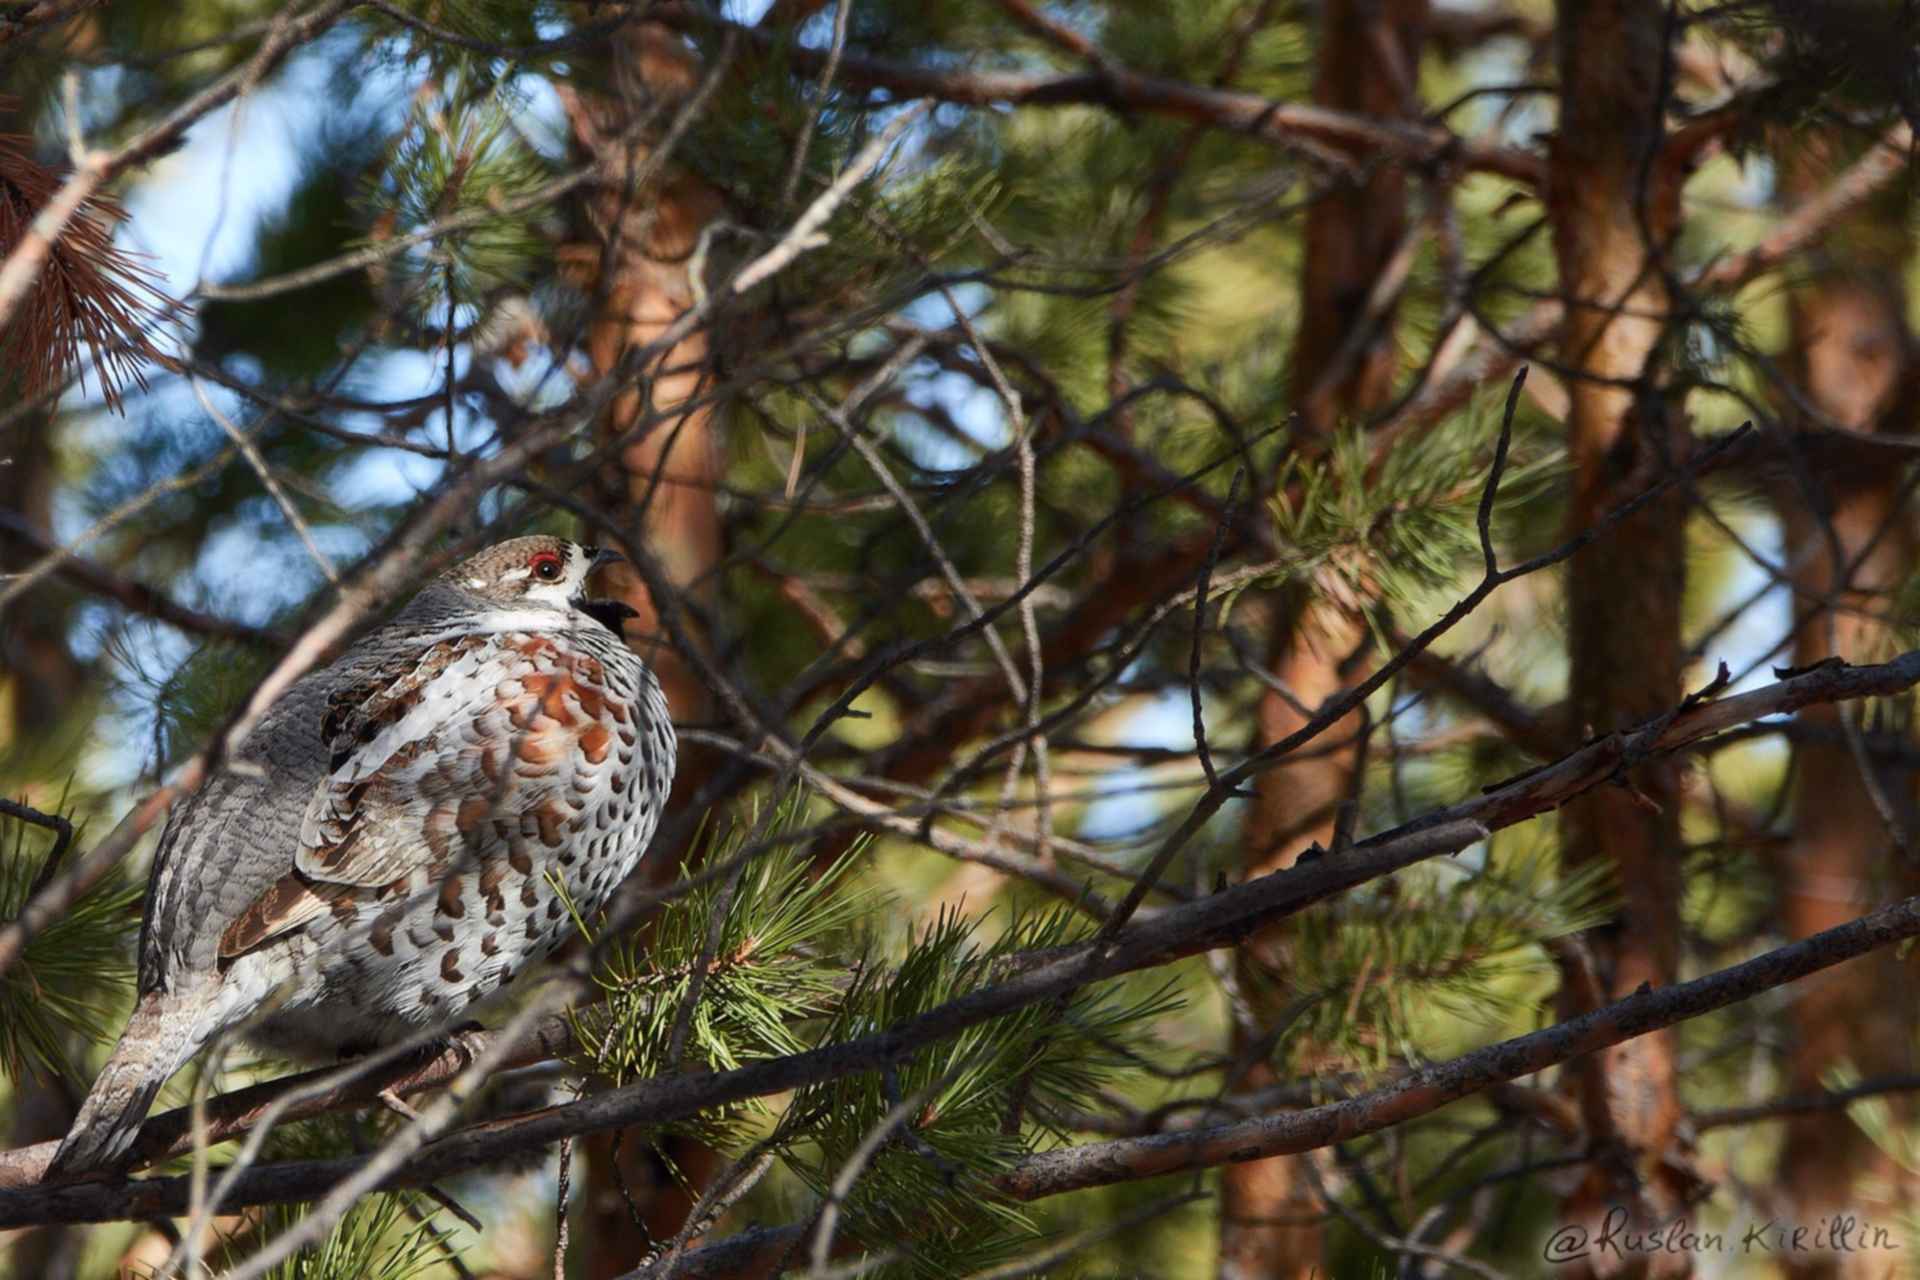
pixel 611 614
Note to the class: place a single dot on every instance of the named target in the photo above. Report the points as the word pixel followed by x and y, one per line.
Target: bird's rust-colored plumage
pixel 380 858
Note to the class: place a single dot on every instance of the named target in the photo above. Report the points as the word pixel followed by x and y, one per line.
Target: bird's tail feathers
pixel 160 1037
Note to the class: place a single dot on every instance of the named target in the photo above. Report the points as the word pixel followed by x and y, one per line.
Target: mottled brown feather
pixel 289 902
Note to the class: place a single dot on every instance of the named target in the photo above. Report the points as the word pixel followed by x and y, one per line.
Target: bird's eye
pixel 546 566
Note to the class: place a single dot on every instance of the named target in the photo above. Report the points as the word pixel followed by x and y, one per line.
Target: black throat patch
pixel 608 613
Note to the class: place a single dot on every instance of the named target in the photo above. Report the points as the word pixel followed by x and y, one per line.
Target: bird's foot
pixel 393 1102
pixel 468 1040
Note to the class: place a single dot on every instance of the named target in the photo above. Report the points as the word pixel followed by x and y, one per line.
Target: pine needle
pixel 74 976
pixel 91 292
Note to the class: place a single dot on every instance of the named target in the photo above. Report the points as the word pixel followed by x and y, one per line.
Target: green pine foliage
pixel 1398 524
pixel 777 964
pixel 972 1100
pixel 794 969
pixel 72 981
pixel 1453 939
pixel 461 158
pixel 417 25
pixel 199 696
pixel 382 1237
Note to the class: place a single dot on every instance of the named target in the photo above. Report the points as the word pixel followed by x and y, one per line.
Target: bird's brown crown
pixel 540 569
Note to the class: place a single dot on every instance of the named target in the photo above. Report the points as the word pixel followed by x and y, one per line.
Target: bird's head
pixel 540 571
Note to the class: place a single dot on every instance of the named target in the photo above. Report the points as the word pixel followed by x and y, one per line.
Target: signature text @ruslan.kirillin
pixel 1618 1236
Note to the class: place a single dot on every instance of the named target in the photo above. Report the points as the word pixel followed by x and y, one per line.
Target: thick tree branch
pixel 1421 1092
pixel 1220 920
pixel 350 1086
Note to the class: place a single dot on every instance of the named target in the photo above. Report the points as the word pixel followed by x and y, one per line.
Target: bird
pixel 403 832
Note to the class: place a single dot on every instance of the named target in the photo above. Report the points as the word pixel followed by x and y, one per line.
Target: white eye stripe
pixel 514 575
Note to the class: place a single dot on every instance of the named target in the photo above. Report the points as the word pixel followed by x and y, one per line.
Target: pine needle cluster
pixel 774 967
pixel 922 1138
pixel 382 1237
pixel 972 1104
pixel 73 977
pixel 461 160
pixel 1378 965
pixel 91 293
pixel 1396 524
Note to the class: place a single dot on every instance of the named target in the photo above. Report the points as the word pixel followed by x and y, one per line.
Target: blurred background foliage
pixel 1137 279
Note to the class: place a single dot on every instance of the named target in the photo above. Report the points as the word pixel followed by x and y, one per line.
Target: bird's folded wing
pixel 443 756
pixel 401 745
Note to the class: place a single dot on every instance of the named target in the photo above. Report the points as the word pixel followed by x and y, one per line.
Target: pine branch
pixel 1428 1089
pixel 136 597
pixel 352 1086
pixel 1334 135
pixel 1098 1164
pixel 72 975
pixel 61 828
pixel 1833 1099
pixel 1495 354
pixel 26 259
pixel 1220 920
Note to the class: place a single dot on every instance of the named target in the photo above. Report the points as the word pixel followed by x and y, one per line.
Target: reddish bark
pixel 660 495
pixel 1369 56
pixel 637 269
pixel 1852 357
pixel 1613 200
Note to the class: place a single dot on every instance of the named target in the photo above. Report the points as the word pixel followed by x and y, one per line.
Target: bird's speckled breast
pixel 525 760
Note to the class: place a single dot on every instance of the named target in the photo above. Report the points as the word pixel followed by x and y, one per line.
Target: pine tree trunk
pixel 661 496
pixel 1614 208
pixel 40 679
pixel 1852 356
pixel 41 682
pixel 1369 57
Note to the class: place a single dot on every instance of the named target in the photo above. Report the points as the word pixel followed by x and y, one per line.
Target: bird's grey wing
pixel 469 751
pixel 229 841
